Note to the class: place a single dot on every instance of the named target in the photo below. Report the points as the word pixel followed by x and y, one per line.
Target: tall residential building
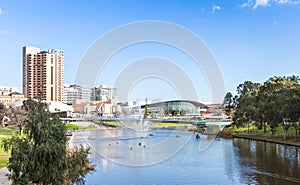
pixel 43 73
pixel 75 92
pixel 104 93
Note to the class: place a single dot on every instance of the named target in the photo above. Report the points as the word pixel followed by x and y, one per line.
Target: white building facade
pixel 75 92
pixel 104 93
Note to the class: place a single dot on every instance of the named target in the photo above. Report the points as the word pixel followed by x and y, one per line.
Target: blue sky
pixel 251 40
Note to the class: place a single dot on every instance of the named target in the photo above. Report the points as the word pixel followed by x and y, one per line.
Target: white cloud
pixel 261 3
pixel 287 1
pixel 215 8
pixel 244 5
pixel 283 1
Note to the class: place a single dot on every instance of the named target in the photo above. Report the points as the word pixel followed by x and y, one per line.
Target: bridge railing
pixel 178 120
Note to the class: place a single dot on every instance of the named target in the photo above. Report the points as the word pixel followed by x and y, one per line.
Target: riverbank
pixel 253 133
pixel 268 138
pixel 155 125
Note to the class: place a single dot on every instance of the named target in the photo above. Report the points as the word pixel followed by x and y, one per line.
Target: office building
pixel 75 92
pixel 104 93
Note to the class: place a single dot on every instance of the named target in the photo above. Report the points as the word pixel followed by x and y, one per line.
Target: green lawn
pixel 258 134
pixel 6 133
pixel 153 125
pixel 71 126
pixel 114 124
pixel 3 158
pixel 253 129
pixel 168 124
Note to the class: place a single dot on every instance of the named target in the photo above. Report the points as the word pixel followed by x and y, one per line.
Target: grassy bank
pixel 254 134
pixel 72 126
pixel 269 138
pixel 153 125
pixel 6 133
pixel 165 125
pixel 113 124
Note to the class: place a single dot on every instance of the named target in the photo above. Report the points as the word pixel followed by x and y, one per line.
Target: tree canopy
pixel 272 102
pixel 41 156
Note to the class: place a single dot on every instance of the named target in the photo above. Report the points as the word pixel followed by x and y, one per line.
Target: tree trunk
pixel 296 133
pixel 21 130
pixel 265 128
pixel 248 126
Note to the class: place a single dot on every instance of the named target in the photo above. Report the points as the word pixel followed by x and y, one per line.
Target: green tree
pixel 274 93
pixel 2 111
pixel 40 156
pixel 246 109
pixel 146 114
pixel 289 105
pixel 18 116
pixel 175 112
pixel 229 104
pixel 167 112
pixel 182 112
pixel 78 163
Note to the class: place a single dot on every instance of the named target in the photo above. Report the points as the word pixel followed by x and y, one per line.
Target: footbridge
pixel 223 122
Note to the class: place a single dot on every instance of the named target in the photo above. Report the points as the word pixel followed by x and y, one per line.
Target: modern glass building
pixel 175 107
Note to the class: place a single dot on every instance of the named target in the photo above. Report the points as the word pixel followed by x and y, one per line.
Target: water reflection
pixel 235 161
pixel 123 147
pixel 268 163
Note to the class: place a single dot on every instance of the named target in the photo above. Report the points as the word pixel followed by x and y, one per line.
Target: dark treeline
pixel 272 103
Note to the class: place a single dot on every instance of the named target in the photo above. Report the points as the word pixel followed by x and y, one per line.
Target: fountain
pixel 143 126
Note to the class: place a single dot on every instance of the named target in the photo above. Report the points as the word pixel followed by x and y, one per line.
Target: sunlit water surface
pixel 236 161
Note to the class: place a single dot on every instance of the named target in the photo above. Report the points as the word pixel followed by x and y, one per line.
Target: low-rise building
pixel 99 108
pixel 9 95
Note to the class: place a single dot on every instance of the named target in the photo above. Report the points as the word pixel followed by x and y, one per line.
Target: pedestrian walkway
pixel 3 178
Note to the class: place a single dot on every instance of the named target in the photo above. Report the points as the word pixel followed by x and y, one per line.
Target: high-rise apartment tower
pixel 43 73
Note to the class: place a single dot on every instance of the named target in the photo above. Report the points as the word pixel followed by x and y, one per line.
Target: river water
pixel 125 160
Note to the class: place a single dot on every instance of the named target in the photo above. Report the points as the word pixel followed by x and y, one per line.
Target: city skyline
pixel 251 40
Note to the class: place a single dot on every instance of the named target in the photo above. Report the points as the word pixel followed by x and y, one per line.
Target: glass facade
pixel 188 108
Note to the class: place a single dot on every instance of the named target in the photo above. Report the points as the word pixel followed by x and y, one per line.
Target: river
pixel 120 159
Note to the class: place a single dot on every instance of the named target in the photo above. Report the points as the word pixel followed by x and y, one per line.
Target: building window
pixel 51 75
pixel 51 93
